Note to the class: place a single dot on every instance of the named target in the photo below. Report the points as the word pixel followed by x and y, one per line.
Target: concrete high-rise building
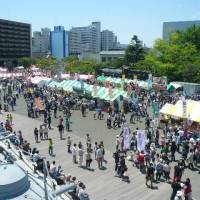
pixel 75 47
pixel 15 42
pixel 89 38
pixel 59 42
pixel 97 25
pixel 108 40
pixel 41 43
pixel 169 27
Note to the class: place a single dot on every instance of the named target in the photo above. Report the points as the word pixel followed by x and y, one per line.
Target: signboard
pixel 95 89
pixel 184 107
pixel 141 140
pixel 126 138
pixel 155 108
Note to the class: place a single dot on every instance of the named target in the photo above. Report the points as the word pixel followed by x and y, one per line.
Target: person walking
pixel 166 170
pixel 175 188
pixel 50 145
pixel 69 142
pixel 41 133
pixel 88 158
pixel 190 159
pixel 36 134
pixel 99 157
pixel 150 175
pixel 74 153
pixel 159 170
pixel 61 130
pixel 10 119
pixel 49 120
pixel 173 150
pixel 116 157
pixel 95 150
pixel 46 135
pixel 80 154
pixel 188 190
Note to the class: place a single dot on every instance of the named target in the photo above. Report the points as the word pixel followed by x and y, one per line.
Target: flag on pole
pixel 129 90
pixel 95 89
pixel 110 92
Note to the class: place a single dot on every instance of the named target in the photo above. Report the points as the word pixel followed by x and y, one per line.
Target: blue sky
pixel 124 17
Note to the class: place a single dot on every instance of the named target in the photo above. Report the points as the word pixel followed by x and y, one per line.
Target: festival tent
pixel 44 82
pixel 62 83
pixel 113 80
pixel 19 67
pixel 36 79
pixel 3 69
pixel 176 111
pixel 101 78
pixel 85 76
pixel 167 109
pixel 173 86
pixel 68 86
pixel 53 84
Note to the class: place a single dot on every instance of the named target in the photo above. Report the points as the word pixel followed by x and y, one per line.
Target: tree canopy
pixel 178 58
pixel 135 51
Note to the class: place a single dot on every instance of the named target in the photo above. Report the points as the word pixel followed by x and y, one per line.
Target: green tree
pixel 175 59
pixel 26 61
pixel 135 51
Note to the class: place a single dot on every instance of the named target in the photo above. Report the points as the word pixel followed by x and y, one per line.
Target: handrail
pixel 24 160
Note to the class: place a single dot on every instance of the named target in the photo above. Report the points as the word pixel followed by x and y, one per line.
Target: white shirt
pixel 74 151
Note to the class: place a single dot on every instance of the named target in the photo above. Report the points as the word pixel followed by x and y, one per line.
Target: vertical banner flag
pixel 136 89
pixel 110 92
pixel 82 84
pixel 184 107
pixel 95 89
pixel 129 90
pixel 126 138
pixel 141 140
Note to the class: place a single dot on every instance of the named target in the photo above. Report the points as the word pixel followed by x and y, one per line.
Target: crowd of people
pixel 168 151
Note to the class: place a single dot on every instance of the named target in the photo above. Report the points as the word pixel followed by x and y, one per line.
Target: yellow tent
pixel 167 109
pixel 176 111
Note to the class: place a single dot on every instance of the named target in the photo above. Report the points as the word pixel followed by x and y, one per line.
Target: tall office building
pixel 90 38
pixel 108 40
pixel 15 42
pixel 41 43
pixel 59 41
pixel 75 47
pixel 97 25
pixel 169 27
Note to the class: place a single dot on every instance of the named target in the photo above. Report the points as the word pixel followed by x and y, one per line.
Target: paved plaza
pixel 100 184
